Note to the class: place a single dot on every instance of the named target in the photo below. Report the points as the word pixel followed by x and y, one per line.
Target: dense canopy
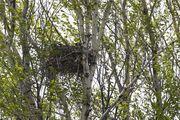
pixel 90 59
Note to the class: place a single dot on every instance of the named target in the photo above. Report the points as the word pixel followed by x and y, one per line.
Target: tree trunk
pixel 87 73
pixel 27 84
pixel 154 48
pixel 86 38
pixel 126 97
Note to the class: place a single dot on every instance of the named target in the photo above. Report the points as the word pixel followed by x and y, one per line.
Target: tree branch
pixel 104 20
pixel 124 90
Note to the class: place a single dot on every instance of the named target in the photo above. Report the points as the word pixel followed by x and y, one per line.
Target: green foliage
pixel 135 43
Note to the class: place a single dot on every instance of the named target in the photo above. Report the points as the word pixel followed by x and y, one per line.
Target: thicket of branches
pixel 123 57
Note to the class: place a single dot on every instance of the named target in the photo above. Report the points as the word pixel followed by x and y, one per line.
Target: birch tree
pixel 134 73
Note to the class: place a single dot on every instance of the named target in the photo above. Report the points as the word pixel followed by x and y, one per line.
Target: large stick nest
pixel 67 59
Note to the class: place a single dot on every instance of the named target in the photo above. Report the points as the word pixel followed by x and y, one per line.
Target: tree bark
pixel 126 97
pixel 87 74
pixel 86 38
pixel 27 84
pixel 154 49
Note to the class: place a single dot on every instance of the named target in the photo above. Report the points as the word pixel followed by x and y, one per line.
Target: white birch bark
pixel 87 79
pixel 85 38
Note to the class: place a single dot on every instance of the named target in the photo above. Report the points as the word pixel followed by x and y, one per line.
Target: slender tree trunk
pixel 154 48
pixel 126 97
pixel 87 73
pixel 27 84
pixel 86 38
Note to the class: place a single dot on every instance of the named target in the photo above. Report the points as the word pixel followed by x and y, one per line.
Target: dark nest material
pixel 67 59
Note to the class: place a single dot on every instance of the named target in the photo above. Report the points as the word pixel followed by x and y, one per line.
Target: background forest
pixel 89 59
